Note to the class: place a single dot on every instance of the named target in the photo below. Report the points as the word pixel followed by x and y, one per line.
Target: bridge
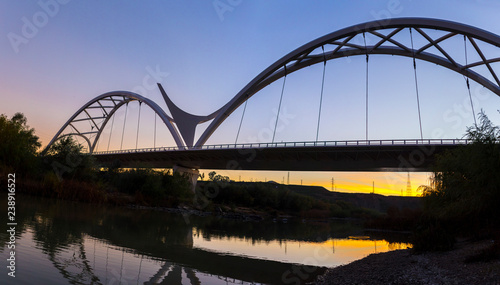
pixel 191 153
pixel 371 155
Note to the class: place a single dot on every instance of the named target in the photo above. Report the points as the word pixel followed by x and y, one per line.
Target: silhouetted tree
pixel 66 158
pixel 18 144
pixel 466 186
pixel 213 176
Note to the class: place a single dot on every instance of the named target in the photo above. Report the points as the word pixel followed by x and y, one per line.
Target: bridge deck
pixel 380 155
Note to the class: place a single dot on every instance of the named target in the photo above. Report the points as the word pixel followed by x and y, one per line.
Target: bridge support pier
pixel 190 173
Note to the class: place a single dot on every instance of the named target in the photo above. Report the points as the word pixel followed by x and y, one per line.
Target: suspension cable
pixel 366 87
pixel 466 77
pixel 154 142
pixel 92 136
pixel 321 96
pixel 416 85
pixel 97 143
pixel 279 106
pixel 111 131
pixel 138 121
pixel 241 121
pixel 124 122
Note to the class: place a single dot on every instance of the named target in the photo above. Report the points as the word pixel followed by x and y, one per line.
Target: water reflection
pixel 330 253
pixel 60 242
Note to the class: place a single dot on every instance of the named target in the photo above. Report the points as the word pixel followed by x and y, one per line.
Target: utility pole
pixel 333 183
pixel 288 179
pixel 373 187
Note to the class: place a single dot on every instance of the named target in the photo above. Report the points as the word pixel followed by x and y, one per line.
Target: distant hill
pixel 371 201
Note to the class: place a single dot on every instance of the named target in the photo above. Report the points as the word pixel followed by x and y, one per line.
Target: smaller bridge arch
pixel 108 104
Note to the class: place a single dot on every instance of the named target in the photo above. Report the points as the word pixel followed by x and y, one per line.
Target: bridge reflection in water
pixel 61 242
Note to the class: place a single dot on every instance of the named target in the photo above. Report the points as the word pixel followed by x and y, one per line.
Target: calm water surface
pixel 61 242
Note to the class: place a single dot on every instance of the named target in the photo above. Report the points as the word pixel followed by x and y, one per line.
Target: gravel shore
pixel 405 267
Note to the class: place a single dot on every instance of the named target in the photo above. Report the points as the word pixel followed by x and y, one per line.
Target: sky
pixel 56 55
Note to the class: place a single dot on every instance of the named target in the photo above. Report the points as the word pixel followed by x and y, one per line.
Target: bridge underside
pixel 335 158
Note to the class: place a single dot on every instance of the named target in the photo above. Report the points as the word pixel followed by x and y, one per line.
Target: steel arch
pixel 343 47
pixel 71 134
pixel 118 99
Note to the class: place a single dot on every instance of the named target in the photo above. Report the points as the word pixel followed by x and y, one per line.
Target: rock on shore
pixel 405 267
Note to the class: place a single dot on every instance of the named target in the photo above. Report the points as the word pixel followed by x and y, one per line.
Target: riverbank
pixel 405 267
pixel 240 200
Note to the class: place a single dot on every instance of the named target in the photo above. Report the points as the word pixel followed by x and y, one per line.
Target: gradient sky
pixel 204 56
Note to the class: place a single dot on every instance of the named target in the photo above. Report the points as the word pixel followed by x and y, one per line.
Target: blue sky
pixel 204 52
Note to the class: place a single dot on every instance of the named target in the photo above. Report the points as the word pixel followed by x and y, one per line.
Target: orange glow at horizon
pixel 384 183
pixel 332 252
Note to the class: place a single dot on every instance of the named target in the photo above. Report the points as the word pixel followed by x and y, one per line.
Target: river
pixel 61 242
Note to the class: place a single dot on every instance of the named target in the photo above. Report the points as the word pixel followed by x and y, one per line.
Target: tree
pixel 65 157
pixel 466 184
pixel 64 147
pixel 213 176
pixel 18 144
pixel 485 132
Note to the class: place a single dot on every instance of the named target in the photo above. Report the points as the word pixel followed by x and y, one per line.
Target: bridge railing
pixel 396 142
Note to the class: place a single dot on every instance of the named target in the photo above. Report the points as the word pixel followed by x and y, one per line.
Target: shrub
pixel 66 159
pixel 466 184
pixel 433 236
pixel 18 144
pixel 152 187
pixel 464 196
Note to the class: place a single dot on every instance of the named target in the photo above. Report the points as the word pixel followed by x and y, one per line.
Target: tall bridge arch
pixel 343 46
pixel 338 44
pixel 108 104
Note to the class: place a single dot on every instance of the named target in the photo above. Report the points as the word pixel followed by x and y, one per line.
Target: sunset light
pixel 250 142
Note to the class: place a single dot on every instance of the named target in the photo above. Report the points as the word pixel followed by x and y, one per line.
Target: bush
pixel 465 194
pixel 66 159
pixel 18 145
pixel 433 236
pixel 466 188
pixel 258 195
pixel 152 187
pixel 396 219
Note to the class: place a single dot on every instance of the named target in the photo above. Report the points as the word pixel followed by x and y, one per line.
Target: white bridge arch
pixel 108 104
pixel 182 124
